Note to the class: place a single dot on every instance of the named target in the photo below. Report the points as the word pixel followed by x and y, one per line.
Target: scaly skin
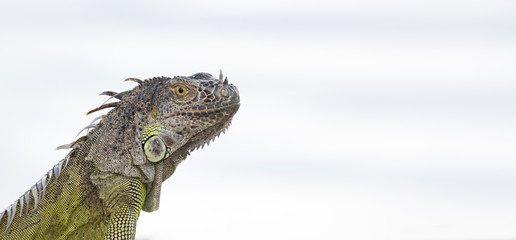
pixel 116 170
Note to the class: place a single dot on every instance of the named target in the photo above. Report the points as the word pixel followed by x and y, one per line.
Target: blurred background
pixel 359 119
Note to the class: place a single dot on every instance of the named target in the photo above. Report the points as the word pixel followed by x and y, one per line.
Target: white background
pixel 358 120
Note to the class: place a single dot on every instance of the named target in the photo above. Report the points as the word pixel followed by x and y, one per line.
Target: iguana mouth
pixel 216 108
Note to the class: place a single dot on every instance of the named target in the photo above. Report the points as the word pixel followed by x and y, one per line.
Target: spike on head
pixel 136 80
pixel 108 105
pixel 108 93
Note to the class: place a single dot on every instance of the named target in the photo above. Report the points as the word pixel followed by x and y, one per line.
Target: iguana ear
pixel 155 149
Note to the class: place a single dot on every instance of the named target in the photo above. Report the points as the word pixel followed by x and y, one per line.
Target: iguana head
pixel 186 113
pixel 157 124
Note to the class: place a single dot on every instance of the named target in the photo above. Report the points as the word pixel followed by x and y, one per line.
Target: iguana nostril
pixel 224 92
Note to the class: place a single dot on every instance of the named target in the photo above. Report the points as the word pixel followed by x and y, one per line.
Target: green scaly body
pixel 72 208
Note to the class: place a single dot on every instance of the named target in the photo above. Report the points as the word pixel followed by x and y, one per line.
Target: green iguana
pixel 116 170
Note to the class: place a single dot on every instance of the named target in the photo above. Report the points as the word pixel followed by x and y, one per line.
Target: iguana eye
pixel 180 90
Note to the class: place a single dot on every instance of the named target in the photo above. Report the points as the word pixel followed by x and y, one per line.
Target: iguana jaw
pixel 200 139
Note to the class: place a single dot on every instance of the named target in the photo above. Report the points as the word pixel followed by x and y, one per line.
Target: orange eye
pixel 180 90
